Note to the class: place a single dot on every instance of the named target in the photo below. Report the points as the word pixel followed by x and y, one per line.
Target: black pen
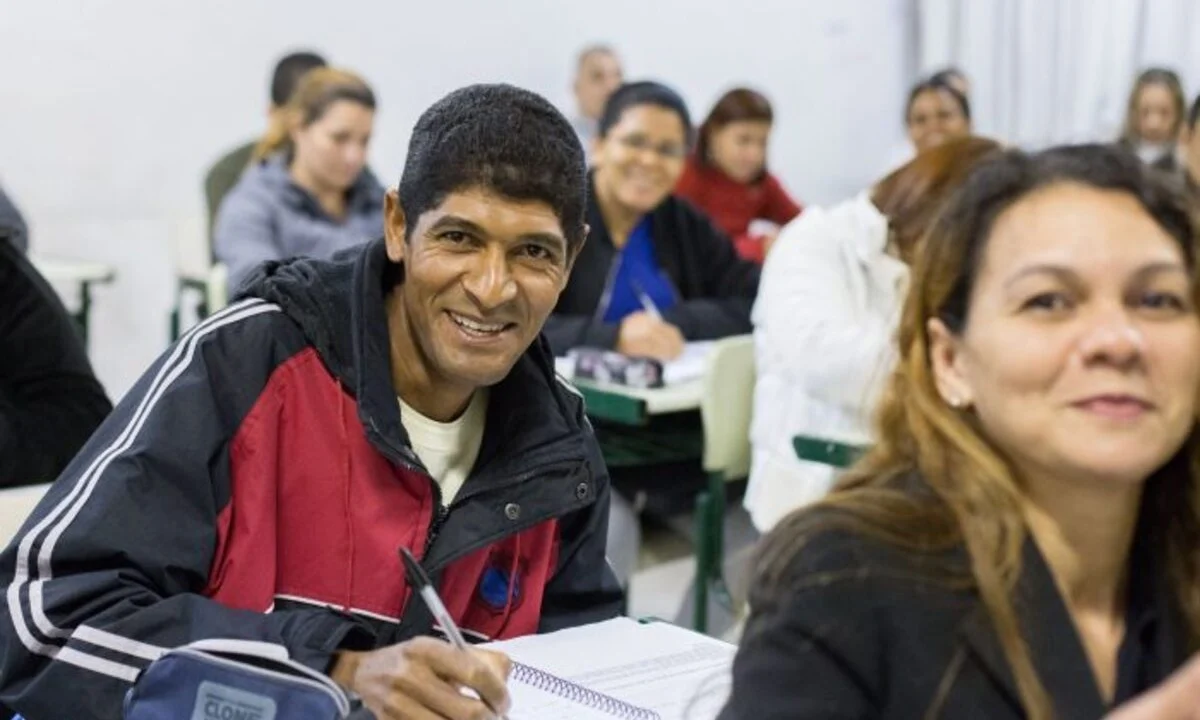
pixel 421 585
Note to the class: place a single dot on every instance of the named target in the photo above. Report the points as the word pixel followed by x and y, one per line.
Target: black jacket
pixel 257 484
pixel 10 219
pixel 716 287
pixel 867 632
pixel 50 402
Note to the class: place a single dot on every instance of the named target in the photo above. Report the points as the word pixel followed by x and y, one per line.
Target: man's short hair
pixel 502 139
pixel 597 49
pixel 288 72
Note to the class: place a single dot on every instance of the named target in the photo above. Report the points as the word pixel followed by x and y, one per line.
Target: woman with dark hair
pixel 936 112
pixel 825 321
pixel 654 272
pixel 1154 117
pixel 727 175
pixel 1021 540
pixel 309 192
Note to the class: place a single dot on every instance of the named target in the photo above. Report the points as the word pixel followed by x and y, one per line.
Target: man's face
pixel 482 273
pixel 599 75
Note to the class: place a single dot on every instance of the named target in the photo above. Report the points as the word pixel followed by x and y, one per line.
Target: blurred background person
pixel 1154 117
pixel 224 174
pixel 955 78
pixel 1190 144
pixel 936 111
pixel 826 317
pixel 12 223
pixel 50 400
pixel 727 175
pixel 655 272
pixel 309 191
pixel 598 73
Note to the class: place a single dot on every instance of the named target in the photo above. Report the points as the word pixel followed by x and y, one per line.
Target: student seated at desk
pixel 12 221
pixel 937 111
pixel 727 175
pixel 50 401
pixel 225 173
pixel 258 481
pixel 654 271
pixel 1154 118
pixel 825 321
pixel 309 192
pixel 1021 542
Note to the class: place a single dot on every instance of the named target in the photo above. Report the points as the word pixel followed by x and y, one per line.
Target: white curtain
pixel 1045 72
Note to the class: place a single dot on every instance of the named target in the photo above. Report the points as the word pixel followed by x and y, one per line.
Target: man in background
pixel 598 73
pixel 225 173
pixel 12 224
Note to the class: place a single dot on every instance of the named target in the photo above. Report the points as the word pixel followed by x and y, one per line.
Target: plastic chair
pixel 827 452
pixel 193 260
pixel 216 288
pixel 725 407
pixel 16 504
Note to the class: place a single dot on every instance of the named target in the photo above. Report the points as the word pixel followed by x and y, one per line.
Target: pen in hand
pixel 647 302
pixel 419 581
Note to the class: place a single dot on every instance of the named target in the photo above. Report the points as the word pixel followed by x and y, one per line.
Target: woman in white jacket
pixel 825 317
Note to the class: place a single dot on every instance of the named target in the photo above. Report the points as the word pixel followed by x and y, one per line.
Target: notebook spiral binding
pixel 555 685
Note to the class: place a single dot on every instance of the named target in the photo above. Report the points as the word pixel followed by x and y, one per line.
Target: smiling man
pixel 259 481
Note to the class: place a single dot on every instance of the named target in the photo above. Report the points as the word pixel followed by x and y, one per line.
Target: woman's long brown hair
pixel 970 497
pixel 319 89
pixel 1153 76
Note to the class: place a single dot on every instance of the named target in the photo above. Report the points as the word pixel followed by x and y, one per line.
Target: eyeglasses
pixel 640 143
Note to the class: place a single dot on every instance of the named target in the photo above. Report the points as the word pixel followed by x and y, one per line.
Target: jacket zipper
pixel 512 529
pixel 439 512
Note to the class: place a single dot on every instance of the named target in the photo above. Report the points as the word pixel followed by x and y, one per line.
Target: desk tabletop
pixel 634 406
pixel 78 271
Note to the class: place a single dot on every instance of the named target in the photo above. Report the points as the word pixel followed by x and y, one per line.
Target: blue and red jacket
pixel 257 483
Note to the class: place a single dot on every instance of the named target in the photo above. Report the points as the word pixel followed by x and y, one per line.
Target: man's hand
pixel 643 335
pixel 423 678
pixel 1177 698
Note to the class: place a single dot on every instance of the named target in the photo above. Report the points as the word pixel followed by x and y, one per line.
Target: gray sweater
pixel 266 216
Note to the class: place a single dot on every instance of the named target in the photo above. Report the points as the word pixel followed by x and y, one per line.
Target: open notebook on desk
pixel 618 669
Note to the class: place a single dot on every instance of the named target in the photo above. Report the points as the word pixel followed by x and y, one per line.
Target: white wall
pixel 112 111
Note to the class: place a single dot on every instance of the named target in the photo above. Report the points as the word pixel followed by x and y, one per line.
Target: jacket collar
pixel 1054 643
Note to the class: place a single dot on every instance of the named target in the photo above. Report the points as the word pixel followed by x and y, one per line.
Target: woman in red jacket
pixel 727 177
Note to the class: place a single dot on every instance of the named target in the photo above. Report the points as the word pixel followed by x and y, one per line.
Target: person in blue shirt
pixel 655 271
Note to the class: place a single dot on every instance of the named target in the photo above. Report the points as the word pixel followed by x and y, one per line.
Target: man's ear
pixel 573 255
pixel 395 226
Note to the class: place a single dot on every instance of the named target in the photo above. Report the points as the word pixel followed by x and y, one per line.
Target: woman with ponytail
pixel 1021 542
pixel 309 191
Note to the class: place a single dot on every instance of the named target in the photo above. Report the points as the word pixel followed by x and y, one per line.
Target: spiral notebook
pixel 619 669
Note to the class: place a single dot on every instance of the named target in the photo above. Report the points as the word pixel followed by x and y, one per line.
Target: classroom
pixel 660 360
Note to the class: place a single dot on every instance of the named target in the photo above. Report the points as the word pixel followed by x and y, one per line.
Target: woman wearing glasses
pixel 655 272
